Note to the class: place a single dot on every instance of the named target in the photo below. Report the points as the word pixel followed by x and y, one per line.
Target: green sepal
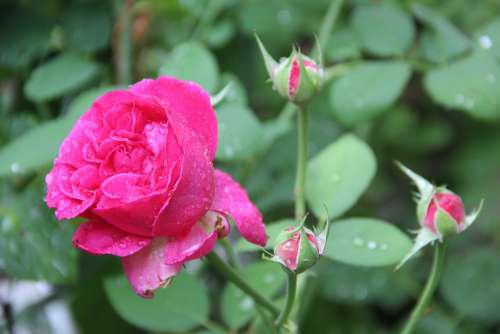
pixel 445 224
pixel 307 255
pixel 269 61
pixel 307 86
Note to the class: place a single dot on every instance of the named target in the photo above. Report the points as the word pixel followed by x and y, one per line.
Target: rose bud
pixel 298 249
pixel 297 78
pixel 138 166
pixel 440 213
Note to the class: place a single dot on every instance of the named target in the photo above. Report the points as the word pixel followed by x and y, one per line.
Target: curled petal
pixel 187 104
pixel 197 243
pixel 231 199
pixel 146 270
pixel 100 238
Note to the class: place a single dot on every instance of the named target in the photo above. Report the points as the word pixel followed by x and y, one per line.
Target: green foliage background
pixel 420 83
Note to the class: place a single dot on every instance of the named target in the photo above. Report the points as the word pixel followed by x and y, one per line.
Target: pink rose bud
pixel 297 78
pixel 298 249
pixel 445 213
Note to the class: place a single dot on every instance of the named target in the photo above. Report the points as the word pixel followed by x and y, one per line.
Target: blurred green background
pixel 421 85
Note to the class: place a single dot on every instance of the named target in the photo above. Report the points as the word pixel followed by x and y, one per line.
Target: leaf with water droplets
pixel 192 61
pixel 366 242
pixel 177 308
pixel 470 84
pixel 367 90
pixel 237 307
pixel 488 37
pixel 338 176
pixel 240 133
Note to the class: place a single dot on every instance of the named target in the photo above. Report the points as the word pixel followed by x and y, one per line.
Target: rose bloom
pixel 138 166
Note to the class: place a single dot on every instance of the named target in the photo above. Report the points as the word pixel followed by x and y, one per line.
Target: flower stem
pixel 302 148
pixel 327 25
pixel 426 295
pixel 290 298
pixel 235 277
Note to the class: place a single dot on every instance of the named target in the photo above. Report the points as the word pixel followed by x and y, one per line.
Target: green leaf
pixel 237 307
pixel 338 175
pixel 33 245
pixel 81 36
pixel 476 95
pixel 366 242
pixel 192 61
pixel 463 284
pixel 488 37
pixel 342 44
pixel 177 308
pixel 272 231
pixel 34 149
pixel 441 40
pixel 24 36
pixel 368 90
pixel 384 30
pixel 84 101
pixel 240 133
pixel 59 76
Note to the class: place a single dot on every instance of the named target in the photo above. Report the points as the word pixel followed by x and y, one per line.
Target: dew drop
pixel 371 245
pixel 246 304
pixel 485 42
pixel 15 167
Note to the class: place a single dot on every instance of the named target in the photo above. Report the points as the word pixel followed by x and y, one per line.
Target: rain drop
pixel 15 167
pixel 485 42
pixel 371 245
pixel 246 304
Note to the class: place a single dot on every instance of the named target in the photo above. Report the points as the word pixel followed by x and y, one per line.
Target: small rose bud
pixel 298 249
pixel 297 78
pixel 445 214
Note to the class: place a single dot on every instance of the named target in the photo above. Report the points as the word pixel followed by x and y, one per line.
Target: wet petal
pixel 198 242
pixel 146 270
pixel 100 238
pixel 187 104
pixel 231 199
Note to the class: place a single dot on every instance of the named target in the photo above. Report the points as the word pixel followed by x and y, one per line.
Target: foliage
pixel 419 82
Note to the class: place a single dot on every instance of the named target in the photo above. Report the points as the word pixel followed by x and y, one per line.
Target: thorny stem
pixel 426 295
pixel 290 298
pixel 232 275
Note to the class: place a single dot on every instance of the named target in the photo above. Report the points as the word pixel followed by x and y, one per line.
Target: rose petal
pixel 146 270
pixel 193 195
pixel 197 243
pixel 187 104
pixel 231 199
pixel 100 238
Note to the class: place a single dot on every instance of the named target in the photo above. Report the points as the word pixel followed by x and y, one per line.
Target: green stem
pixel 214 327
pixel 290 298
pixel 235 277
pixel 327 25
pixel 302 145
pixel 232 258
pixel 426 295
pixel 124 45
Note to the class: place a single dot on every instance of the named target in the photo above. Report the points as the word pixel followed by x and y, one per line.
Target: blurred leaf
pixel 488 37
pixel 366 242
pixel 463 283
pixel 477 95
pixel 368 90
pixel 84 101
pixel 33 245
pixel 442 40
pixel 178 307
pixel 437 323
pixel 34 149
pixel 59 76
pixel 338 175
pixel 220 33
pixel 192 61
pixel 237 93
pixel 240 133
pixel 81 36
pixel 272 231
pixel 349 284
pixel 342 44
pixel 24 36
pixel 237 307
pixel 384 30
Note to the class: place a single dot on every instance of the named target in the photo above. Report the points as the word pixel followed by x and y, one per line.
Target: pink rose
pixel 138 166
pixel 449 203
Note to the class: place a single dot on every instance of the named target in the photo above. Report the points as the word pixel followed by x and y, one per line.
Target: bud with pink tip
pixel 440 213
pixel 299 248
pixel 297 77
